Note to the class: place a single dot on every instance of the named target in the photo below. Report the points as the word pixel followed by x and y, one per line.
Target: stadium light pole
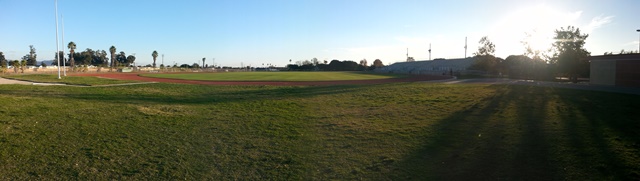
pixel 57 43
pixel 64 63
pixel 638 30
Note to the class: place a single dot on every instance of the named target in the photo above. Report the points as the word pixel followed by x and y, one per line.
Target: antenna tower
pixel 429 51
pixel 465 47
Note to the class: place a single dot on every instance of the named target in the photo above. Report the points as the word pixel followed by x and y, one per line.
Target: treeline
pixel 566 57
pixel 334 65
pixel 98 58
pixel 86 57
pixel 517 66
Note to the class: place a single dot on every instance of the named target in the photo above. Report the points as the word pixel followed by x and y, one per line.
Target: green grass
pixel 276 76
pixel 404 131
pixel 71 80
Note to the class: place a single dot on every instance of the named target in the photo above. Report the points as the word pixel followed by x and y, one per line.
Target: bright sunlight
pixel 532 25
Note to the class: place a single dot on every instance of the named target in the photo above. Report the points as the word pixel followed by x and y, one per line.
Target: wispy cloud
pixel 597 22
pixel 632 43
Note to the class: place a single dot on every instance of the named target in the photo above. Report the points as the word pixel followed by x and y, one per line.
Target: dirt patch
pixel 134 76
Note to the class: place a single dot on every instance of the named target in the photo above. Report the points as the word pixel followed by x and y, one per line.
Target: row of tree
pixel 566 57
pixel 30 58
pixel 96 57
pixel 334 65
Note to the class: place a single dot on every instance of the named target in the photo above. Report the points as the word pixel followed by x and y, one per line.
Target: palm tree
pixel 72 47
pixel 23 64
pixel 15 64
pixel 112 50
pixel 154 55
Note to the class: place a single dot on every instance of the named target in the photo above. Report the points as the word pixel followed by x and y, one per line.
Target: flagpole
pixel 429 51
pixel 57 43
pixel 64 63
pixel 465 47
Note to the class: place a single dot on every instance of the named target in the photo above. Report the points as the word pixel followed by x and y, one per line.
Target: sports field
pixel 276 76
pixel 393 131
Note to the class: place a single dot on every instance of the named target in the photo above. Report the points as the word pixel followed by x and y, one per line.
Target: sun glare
pixel 532 25
pixel 538 41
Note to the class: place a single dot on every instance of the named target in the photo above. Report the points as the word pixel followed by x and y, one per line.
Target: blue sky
pixel 253 33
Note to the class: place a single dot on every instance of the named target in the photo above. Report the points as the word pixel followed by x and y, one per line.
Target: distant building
pixel 615 70
pixel 431 67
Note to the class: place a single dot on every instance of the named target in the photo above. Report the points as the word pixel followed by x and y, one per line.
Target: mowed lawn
pixel 71 80
pixel 275 76
pixel 403 131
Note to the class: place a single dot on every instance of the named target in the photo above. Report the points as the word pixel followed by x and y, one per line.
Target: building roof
pixel 635 56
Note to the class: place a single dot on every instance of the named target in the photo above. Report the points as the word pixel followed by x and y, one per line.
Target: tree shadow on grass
pixel 601 135
pixel 516 134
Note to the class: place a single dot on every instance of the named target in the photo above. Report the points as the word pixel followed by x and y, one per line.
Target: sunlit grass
pixel 276 76
pixel 406 131
pixel 71 80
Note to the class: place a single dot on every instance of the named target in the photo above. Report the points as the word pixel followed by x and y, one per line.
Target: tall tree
pixel 530 51
pixel 23 64
pixel 3 61
pixel 154 55
pixel 203 61
pixel 363 63
pixel 378 63
pixel 121 58
pixel 486 47
pixel 130 59
pixel 72 47
pixel 103 57
pixel 87 56
pixel 569 54
pixel 32 56
pixel 55 58
pixel 112 50
pixel 15 64
pixel 484 57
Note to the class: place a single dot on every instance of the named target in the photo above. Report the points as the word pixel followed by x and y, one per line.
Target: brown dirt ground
pixel 134 76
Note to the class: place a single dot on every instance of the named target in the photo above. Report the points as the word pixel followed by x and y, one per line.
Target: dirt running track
pixel 134 76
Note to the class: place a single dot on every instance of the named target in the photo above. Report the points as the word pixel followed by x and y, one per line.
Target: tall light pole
pixel 163 60
pixel 64 63
pixel 57 43
pixel 429 51
pixel 638 30
pixel 465 47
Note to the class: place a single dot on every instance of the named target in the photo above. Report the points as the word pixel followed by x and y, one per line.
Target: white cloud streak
pixel 597 22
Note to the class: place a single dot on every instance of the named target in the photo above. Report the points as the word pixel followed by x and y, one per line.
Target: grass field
pixel 276 76
pixel 71 80
pixel 403 131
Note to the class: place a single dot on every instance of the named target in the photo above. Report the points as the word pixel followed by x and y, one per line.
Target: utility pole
pixel 638 41
pixel 429 51
pixel 64 63
pixel 57 43
pixel 465 47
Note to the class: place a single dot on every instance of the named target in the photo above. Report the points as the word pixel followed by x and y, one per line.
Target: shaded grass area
pixel 71 80
pixel 276 76
pixel 404 131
